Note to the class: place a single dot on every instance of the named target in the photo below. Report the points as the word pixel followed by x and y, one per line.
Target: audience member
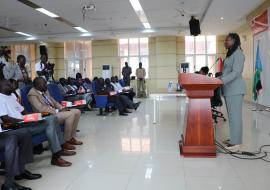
pixel 204 70
pixel 17 146
pixel 128 104
pixel 121 90
pixel 41 101
pixel 12 112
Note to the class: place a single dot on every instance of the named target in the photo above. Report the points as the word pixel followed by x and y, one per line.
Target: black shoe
pixel 126 111
pixel 15 187
pixel 123 114
pixel 27 175
pixel 137 105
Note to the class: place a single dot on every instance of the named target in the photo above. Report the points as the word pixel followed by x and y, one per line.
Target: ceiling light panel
pixel 140 13
pixel 81 29
pixel 24 34
pixel 46 12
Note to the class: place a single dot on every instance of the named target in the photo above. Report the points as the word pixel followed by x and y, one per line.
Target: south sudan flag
pixel 257 85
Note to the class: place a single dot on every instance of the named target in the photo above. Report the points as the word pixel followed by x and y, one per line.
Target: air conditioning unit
pixel 106 71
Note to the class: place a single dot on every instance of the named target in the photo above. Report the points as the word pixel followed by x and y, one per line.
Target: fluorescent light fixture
pixel 80 29
pixel 148 31
pixel 24 34
pixel 146 25
pixel 221 18
pixel 86 34
pixel 136 5
pixel 46 12
pixel 31 38
pixel 140 13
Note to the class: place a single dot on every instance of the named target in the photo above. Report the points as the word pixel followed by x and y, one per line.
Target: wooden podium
pixel 198 136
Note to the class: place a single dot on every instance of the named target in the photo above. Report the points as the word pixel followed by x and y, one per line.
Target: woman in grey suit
pixel 234 89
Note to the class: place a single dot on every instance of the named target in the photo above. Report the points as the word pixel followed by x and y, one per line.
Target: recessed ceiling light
pixel 221 18
pixel 24 34
pixel 46 12
pixel 146 25
pixel 80 29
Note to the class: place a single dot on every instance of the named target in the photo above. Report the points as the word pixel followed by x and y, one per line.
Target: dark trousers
pixel 18 150
pixel 127 81
pixel 126 102
pixel 118 101
pixel 53 132
pixel 129 94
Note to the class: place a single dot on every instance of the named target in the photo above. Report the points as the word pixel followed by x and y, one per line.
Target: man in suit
pixel 11 112
pixel 17 145
pixel 41 101
pixel 126 72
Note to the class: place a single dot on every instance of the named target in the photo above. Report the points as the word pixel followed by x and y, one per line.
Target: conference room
pixel 134 94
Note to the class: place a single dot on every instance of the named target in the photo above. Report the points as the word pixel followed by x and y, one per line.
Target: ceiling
pixel 116 18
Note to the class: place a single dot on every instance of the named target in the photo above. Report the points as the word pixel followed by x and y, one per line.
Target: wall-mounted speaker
pixel 42 49
pixel 194 26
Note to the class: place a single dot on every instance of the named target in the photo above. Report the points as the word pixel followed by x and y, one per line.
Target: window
pixel 78 58
pixel 200 51
pixel 133 51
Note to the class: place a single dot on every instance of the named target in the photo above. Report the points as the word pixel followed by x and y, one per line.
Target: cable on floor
pixel 244 155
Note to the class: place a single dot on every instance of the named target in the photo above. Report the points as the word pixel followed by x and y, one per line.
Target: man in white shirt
pixel 123 90
pixel 40 66
pixel 11 112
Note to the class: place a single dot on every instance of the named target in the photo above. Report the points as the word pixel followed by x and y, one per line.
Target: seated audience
pixel 12 112
pixel 17 146
pixel 122 90
pixel 84 94
pixel 41 101
pixel 204 70
pixel 114 98
pixel 128 104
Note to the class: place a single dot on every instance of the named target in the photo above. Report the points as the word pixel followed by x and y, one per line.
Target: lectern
pixel 198 136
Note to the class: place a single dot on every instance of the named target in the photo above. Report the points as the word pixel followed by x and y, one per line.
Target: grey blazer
pixel 232 71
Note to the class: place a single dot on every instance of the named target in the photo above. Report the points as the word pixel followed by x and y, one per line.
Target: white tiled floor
pixel 132 153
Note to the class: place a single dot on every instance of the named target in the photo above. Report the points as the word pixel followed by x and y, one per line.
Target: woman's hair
pixel 236 45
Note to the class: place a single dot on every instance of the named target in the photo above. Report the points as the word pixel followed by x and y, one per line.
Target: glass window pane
pixel 134 63
pixel 200 44
pixel 189 45
pixel 144 46
pixel 200 62
pixel 133 46
pixel 212 64
pixel 190 60
pixel 123 47
pixel 211 44
pixel 145 64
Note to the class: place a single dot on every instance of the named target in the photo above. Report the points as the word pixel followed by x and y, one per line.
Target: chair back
pixel 55 92
pixel 25 102
pixel 122 82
